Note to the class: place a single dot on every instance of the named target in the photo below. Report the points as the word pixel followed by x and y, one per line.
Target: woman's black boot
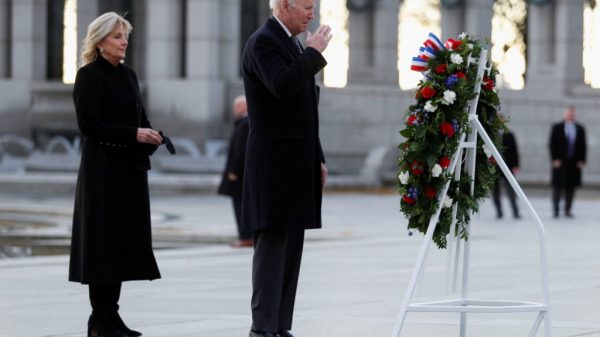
pixel 101 326
pixel 118 322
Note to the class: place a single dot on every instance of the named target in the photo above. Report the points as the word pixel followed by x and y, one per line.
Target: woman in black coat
pixel 111 240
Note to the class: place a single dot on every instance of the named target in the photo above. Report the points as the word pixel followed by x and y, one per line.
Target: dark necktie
pixel 297 43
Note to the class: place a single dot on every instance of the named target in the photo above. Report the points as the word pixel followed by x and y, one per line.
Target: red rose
pixel 416 167
pixel 427 92
pixel 492 160
pixel 408 199
pixel 460 74
pixel 411 120
pixel 447 129
pixel 453 44
pixel 444 162
pixel 487 83
pixel 430 192
pixel 441 69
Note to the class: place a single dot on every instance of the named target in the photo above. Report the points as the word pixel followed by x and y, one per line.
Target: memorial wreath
pixel 434 127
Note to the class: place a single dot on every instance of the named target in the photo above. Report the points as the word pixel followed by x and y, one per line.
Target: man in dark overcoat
pixel 568 152
pixel 232 180
pixel 510 154
pixel 285 170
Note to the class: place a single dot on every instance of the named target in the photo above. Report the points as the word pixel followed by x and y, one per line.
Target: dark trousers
pixel 512 197
pixel 105 298
pixel 237 209
pixel 569 195
pixel 275 270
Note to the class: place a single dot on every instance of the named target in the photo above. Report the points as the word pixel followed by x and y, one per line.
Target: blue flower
pixel 451 81
pixel 455 125
pixel 413 193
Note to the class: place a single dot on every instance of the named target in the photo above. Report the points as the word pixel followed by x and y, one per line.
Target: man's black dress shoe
pixel 286 333
pixel 262 334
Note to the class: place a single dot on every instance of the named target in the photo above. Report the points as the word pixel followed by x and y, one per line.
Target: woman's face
pixel 114 45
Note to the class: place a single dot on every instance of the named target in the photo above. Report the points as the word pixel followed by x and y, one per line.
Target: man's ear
pixel 285 4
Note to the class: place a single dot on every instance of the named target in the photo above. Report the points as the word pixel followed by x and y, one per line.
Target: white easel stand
pixel 464 304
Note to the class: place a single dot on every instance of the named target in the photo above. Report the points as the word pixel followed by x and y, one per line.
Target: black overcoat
pixel 111 239
pixel 510 154
pixel 568 174
pixel 282 180
pixel 236 156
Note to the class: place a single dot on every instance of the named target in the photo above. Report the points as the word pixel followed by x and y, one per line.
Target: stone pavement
pixel 354 273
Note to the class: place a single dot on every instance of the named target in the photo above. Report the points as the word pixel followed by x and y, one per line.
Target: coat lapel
pixel 274 26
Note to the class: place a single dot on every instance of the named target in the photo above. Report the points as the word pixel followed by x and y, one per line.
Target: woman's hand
pixel 148 136
pixel 324 173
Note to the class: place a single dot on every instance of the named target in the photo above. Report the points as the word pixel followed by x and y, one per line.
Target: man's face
pixel 570 115
pixel 298 15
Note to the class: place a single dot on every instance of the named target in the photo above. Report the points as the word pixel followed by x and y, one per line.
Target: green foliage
pixel 433 129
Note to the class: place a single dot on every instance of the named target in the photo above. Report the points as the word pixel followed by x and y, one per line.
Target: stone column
pixel 478 18
pixel 541 53
pixel 29 40
pixel 230 28
pixel 386 41
pixel 374 44
pixel 569 42
pixel 163 39
pixel 541 30
pixel 360 31
pixel 87 11
pixel 452 21
pixel 5 22
pixel 203 39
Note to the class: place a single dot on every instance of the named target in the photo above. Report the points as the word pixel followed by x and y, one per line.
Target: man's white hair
pixel 275 3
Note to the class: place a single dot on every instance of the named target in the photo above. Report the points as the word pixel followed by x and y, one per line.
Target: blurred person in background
pixel 232 181
pixel 510 154
pixel 568 152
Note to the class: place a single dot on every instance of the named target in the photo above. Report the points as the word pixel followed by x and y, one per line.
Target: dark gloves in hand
pixel 168 143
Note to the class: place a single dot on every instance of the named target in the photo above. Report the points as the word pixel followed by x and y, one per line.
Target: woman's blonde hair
pixel 97 31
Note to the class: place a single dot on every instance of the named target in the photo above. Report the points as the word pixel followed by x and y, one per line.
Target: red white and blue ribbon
pixel 430 48
pixel 418 64
pixel 427 53
pixel 434 42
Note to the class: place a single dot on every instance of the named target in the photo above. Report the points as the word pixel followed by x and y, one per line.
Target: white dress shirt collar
pixel 283 25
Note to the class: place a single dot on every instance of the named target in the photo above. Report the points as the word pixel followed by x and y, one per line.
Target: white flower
pixel 403 176
pixel 486 150
pixel 430 107
pixel 436 170
pixel 448 202
pixel 462 35
pixel 456 58
pixel 449 97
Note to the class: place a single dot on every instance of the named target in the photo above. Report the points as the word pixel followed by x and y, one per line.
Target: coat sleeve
pixel 583 144
pixel 144 122
pixel 321 153
pixel 281 79
pixel 554 145
pixel 512 149
pixel 86 95
pixel 239 149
